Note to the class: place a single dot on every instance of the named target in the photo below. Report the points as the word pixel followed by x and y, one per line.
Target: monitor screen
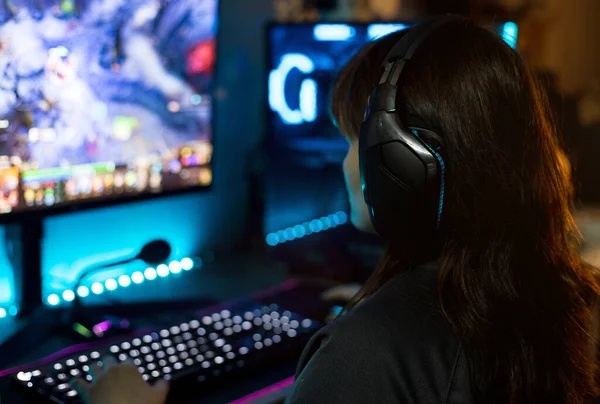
pixel 104 100
pixel 303 62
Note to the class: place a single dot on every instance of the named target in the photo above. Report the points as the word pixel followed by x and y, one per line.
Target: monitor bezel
pixel 42 212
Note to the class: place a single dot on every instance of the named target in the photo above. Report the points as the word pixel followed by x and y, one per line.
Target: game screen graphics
pixel 103 99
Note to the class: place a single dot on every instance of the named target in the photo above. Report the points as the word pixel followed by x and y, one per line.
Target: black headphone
pixel 402 168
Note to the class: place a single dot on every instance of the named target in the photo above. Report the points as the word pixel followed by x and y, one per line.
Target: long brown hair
pixel 511 282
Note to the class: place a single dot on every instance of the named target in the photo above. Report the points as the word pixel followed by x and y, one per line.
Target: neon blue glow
pixel 162 270
pixel 110 284
pixel 150 274
pixel 53 299
pixel 187 264
pixel 97 288
pixel 307 228
pixel 308 100
pixel 376 31
pixel 175 267
pixel 337 310
pixel 83 291
pixel 124 281
pixel 7 278
pixel 196 99
pixel 510 32
pixel 442 178
pixel 62 265
pixel 137 277
pixel 68 295
pixel 272 239
pixel 9 312
pixel 333 32
pixel 308 90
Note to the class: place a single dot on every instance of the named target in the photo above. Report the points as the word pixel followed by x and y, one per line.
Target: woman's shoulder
pixel 406 308
pixel 398 337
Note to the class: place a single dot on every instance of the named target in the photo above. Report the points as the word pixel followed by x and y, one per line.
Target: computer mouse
pixel 337 298
pixel 341 293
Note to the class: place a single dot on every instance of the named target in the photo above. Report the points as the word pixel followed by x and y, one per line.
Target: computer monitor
pixel 305 189
pixel 104 102
pixel 101 102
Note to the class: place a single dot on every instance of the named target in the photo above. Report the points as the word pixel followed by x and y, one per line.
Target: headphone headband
pixel 384 95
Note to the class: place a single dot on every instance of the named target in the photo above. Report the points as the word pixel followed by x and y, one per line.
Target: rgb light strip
pixel 10 311
pixel 123 281
pixel 307 228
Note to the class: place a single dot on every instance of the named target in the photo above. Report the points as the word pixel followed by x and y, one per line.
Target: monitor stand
pixel 24 250
pixel 33 323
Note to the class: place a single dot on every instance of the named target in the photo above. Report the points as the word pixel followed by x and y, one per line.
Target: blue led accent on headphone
pixel 442 176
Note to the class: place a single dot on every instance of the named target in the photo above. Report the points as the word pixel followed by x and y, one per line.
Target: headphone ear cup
pixel 402 171
pixel 395 179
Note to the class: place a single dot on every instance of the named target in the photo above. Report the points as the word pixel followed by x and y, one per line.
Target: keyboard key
pixel 63 387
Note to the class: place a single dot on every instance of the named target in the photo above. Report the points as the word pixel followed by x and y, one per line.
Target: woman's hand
pixel 119 384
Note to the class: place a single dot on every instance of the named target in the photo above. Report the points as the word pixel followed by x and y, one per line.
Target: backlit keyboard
pixel 203 347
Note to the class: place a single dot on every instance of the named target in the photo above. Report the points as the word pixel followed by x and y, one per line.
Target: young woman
pixel 498 308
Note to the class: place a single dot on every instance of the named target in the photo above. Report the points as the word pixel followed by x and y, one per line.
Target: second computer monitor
pixel 305 191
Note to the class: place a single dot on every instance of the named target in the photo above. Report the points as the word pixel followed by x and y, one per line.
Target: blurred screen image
pixel 102 99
